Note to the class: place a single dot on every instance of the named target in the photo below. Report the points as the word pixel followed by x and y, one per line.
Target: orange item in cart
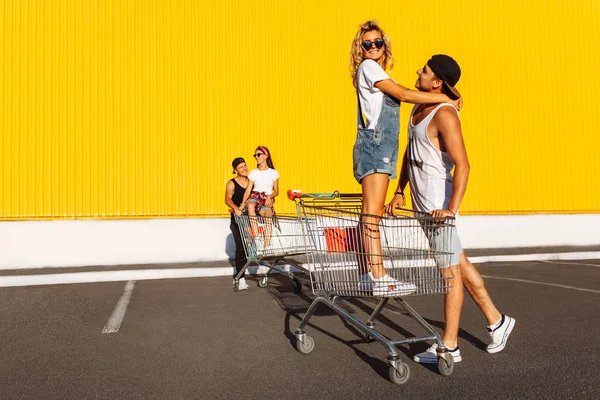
pixel 260 230
pixel 341 239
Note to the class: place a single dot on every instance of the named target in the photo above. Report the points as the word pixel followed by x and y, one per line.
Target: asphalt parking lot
pixel 197 339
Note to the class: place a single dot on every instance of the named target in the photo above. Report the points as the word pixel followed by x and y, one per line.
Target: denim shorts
pixel 445 244
pixel 376 150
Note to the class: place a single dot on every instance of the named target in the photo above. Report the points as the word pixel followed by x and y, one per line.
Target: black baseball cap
pixel 445 68
pixel 237 161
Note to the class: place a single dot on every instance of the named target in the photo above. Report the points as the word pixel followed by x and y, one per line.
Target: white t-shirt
pixel 263 180
pixel 371 98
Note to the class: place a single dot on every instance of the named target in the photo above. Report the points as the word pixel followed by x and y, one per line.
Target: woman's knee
pixel 266 212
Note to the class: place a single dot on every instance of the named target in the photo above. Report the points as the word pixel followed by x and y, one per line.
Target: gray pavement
pixel 197 339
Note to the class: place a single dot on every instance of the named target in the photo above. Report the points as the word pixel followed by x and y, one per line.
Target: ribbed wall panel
pixel 119 109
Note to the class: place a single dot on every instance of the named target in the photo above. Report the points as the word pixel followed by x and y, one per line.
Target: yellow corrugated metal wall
pixel 136 108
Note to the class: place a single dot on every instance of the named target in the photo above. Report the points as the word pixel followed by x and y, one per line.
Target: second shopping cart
pixel 271 242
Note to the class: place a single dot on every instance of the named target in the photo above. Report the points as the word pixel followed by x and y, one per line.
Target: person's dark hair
pixel 269 156
pixel 445 90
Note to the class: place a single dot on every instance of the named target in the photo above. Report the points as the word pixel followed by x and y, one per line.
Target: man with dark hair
pixel 435 147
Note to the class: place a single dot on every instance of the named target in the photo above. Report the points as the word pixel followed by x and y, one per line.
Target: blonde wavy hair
pixel 356 51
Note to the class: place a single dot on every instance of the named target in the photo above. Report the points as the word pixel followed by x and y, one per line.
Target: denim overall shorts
pixel 376 150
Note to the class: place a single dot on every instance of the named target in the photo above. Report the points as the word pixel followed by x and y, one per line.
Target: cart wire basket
pixel 270 242
pixel 346 248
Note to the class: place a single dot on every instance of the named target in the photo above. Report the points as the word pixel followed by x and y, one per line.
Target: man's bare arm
pixel 448 125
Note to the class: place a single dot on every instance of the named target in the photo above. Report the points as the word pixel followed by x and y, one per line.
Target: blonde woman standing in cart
pixel 375 152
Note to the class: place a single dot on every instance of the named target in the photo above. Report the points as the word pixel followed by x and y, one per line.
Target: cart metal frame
pixel 412 246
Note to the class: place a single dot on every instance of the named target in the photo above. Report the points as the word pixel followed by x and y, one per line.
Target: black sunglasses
pixel 258 155
pixel 367 44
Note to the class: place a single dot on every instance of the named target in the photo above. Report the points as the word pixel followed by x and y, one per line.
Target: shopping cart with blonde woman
pixel 347 253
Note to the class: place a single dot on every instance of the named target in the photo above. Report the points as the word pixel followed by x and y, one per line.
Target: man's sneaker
pixel 242 285
pixel 430 355
pixel 386 286
pixel 500 334
pixel 365 282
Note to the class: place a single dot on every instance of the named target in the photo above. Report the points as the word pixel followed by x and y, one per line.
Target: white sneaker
pixel 500 334
pixel 243 285
pixel 429 356
pixel 365 282
pixel 386 286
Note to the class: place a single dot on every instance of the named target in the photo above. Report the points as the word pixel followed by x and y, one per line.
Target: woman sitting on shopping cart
pixel 260 194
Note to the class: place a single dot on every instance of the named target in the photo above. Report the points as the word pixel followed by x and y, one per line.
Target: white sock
pixel 494 326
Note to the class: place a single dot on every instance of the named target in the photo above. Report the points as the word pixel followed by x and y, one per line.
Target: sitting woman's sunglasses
pixel 367 45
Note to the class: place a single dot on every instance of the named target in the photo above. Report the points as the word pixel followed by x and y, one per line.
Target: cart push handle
pixel 294 194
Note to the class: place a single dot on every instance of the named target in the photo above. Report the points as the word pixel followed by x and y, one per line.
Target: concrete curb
pixel 178 273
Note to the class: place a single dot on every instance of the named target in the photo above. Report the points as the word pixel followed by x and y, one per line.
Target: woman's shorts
pixel 375 151
pixel 258 199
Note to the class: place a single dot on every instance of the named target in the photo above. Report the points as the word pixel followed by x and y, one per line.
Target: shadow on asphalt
pixel 296 305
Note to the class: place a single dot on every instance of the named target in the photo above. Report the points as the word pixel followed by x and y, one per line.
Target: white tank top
pixel 428 167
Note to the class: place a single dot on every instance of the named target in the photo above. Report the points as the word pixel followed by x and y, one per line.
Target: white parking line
pixel 571 263
pixel 584 255
pixel 543 283
pixel 115 320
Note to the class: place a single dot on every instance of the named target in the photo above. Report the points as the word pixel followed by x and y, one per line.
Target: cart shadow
pixel 473 340
pixel 378 365
pixel 296 305
pixel 418 347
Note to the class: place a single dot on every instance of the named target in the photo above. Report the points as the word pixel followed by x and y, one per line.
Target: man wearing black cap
pixel 234 194
pixel 435 147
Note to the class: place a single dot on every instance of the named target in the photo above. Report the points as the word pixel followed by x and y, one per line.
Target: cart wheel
pixel 306 346
pixel 263 282
pixel 446 364
pixel 236 286
pixel 399 375
pixel 297 286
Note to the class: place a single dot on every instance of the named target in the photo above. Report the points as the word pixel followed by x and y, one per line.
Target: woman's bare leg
pixel 267 213
pixel 374 189
pixel 251 207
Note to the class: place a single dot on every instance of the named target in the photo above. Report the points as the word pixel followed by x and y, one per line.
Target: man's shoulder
pixel 446 111
pixel 446 119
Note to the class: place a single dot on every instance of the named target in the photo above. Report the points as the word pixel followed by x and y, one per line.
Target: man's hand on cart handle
pixel 238 211
pixel 442 214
